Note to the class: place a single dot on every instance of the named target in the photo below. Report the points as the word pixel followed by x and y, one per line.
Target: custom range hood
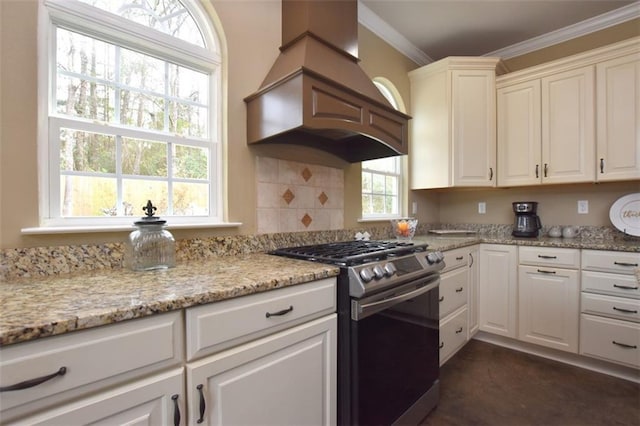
pixel 317 95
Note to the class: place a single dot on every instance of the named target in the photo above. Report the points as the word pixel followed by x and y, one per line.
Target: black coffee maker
pixel 527 222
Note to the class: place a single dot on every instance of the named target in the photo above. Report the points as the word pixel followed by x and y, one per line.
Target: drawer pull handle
pixel 625 287
pixel 279 313
pixel 471 257
pixel 441 345
pixel 624 345
pixel 627 311
pixel 625 264
pixel 458 290
pixel 34 382
pixel 176 410
pixel 490 173
pixel 458 331
pixel 202 404
pixel 542 271
pixel 459 258
pixel 546 169
pixel 441 299
pixel 541 256
pixel 537 171
pixel 602 165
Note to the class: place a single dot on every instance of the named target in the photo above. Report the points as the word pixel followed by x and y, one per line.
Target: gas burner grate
pixel 348 253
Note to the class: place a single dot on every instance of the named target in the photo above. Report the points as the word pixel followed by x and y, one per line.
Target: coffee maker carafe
pixel 527 223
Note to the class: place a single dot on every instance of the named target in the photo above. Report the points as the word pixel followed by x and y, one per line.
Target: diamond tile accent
pixel 306 174
pixel 288 196
pixel 323 198
pixel 306 220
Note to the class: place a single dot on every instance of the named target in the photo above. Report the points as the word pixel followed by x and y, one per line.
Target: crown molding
pixel 375 24
pixel 588 26
pixel 379 27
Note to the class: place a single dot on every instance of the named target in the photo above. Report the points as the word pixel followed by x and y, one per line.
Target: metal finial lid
pixel 150 219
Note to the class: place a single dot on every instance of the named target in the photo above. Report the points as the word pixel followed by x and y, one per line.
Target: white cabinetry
pixel 454 288
pixel 546 129
pixel 498 289
pixel 610 320
pixel 453 140
pixel 549 293
pixel 94 360
pixel 286 377
pixel 618 123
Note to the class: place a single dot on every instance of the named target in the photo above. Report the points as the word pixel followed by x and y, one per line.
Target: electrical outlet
pixel 482 207
pixel 583 206
pixel 414 208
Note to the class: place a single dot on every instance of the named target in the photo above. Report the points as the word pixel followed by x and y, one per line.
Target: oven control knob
pixel 366 274
pixel 434 257
pixel 378 272
pixel 389 269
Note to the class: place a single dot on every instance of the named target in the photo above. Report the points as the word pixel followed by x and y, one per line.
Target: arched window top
pixel 167 16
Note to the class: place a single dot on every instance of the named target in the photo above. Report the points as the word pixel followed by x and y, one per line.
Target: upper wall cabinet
pixel 453 139
pixel 546 129
pixel 618 130
pixel 546 120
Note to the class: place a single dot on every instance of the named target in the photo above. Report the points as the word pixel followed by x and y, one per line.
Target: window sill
pixel 377 219
pixel 44 230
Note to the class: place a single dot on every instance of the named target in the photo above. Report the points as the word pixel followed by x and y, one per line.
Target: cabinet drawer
pixel 609 306
pixel 554 257
pixel 453 291
pixel 453 335
pixel 612 284
pixel 610 340
pixel 455 258
pixel 93 359
pixel 217 326
pixel 619 262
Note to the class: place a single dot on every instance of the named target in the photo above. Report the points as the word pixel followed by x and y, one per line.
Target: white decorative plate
pixel 625 214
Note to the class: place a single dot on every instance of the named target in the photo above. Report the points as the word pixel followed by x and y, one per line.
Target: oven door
pixel 395 356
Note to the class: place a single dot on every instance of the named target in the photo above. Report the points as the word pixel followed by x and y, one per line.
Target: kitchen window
pixel 133 112
pixel 382 179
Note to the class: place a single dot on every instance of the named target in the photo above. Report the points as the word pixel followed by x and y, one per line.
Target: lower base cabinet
pixel 153 401
pixel 453 334
pixel 610 340
pixel 288 378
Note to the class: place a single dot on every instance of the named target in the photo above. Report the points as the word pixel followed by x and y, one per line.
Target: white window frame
pixel 83 18
pixel 389 91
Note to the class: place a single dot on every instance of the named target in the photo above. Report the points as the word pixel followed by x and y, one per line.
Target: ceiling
pixel 440 28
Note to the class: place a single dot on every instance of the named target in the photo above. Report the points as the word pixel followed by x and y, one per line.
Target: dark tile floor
pixel 484 384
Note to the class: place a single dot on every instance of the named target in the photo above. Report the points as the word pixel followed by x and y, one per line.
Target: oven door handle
pixel 362 310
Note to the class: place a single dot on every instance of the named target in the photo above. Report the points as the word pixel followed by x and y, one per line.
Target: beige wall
pixel 557 204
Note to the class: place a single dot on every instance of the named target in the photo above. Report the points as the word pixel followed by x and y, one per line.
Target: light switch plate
pixel 482 207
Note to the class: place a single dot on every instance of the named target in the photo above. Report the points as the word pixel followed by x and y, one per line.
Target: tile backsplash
pixel 293 196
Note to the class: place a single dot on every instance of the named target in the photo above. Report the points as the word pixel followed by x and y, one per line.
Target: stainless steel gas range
pixel 387 328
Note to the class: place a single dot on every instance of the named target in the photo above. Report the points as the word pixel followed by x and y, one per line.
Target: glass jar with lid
pixel 150 246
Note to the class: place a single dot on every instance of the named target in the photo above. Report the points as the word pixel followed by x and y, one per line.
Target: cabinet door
pixel 472 306
pixel 548 307
pixel 498 289
pixel 618 138
pixel 473 127
pixel 568 126
pixel 519 151
pixel 288 378
pixel 158 400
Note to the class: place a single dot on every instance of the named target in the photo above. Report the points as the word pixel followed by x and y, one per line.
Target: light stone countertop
pixel 42 306
pixel 32 308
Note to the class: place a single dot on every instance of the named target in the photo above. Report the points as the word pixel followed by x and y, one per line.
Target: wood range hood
pixel 317 95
